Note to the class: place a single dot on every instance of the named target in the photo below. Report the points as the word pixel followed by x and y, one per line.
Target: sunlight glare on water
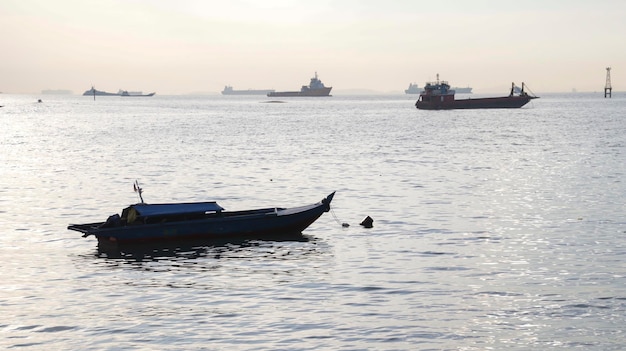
pixel 493 229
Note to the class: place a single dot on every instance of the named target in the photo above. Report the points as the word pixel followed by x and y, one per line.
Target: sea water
pixel 493 229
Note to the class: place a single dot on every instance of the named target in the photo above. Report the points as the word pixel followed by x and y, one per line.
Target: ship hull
pixel 481 103
pixel 138 95
pixel 304 92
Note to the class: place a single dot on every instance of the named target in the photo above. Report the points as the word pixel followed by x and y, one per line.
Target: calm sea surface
pixel 493 230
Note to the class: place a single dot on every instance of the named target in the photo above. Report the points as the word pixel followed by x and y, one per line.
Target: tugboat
pixel 438 96
pixel 315 88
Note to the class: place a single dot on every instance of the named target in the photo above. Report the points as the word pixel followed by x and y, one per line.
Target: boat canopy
pixel 147 210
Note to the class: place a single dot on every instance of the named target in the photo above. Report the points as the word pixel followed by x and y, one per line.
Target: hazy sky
pixel 186 46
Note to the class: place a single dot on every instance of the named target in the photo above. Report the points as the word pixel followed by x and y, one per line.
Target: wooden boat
pixel 145 223
pixel 438 96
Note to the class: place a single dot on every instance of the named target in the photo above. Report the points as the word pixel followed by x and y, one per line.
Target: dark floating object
pixel 368 222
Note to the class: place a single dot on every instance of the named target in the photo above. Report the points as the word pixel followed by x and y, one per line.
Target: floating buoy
pixel 368 222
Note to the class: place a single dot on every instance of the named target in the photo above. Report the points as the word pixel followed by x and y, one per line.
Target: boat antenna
pixel 138 190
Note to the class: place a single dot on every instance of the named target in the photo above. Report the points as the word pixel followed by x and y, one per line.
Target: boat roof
pixel 176 208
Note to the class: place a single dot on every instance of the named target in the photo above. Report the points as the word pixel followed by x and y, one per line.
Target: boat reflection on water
pixel 193 249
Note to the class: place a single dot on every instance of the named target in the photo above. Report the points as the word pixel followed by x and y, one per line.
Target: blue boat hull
pixel 219 226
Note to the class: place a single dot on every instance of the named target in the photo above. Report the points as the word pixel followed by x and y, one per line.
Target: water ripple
pixel 492 229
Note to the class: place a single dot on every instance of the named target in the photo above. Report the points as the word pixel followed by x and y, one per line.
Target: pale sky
pixel 189 46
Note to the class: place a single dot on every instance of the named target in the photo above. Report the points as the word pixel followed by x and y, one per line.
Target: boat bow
pixel 326 201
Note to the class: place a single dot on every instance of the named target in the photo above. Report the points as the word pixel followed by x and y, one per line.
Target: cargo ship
pixel 228 90
pixel 465 90
pixel 438 96
pixel 412 89
pixel 94 92
pixel 315 88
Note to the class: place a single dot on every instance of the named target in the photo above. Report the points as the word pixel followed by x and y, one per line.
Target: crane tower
pixel 607 86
